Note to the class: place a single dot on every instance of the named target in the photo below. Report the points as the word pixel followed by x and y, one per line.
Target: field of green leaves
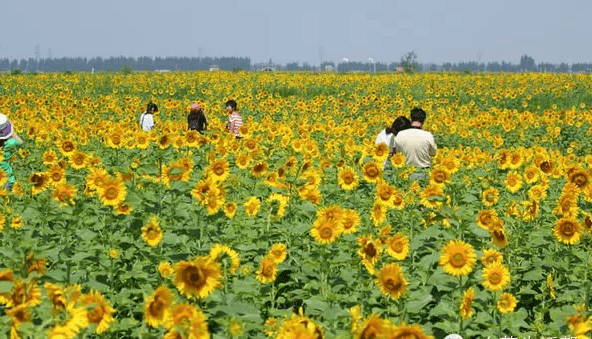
pixel 296 231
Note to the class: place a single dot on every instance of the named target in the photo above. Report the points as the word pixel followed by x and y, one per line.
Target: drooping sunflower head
pixel 151 232
pixel 157 306
pixel 100 311
pixel 268 269
pixel 391 281
pixel 39 182
pixel 197 278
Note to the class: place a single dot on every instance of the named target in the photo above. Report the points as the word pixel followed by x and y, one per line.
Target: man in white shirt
pixel 416 144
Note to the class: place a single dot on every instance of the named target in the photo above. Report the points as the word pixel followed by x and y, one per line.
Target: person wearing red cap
pixel 197 120
pixel 9 140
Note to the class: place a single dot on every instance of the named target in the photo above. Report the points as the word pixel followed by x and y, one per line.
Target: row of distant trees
pixel 99 64
pixel 408 63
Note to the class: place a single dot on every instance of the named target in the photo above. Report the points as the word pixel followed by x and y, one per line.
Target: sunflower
pixel 499 236
pixel 351 220
pixel 252 206
pixel 50 157
pixel 391 281
pixel 490 196
pixel 439 176
pixel 580 178
pixel 259 169
pixel 164 141
pixel 112 192
pixel 378 213
pixel 242 161
pixel 347 178
pixel 531 174
pixel 458 258
pixel 157 306
pixel 465 307
pixel 77 320
pixel 491 256
pixel 218 170
pixel 326 232
pixel 507 303
pixel 142 140
pixel 185 316
pixel 487 219
pixel 78 160
pixel 373 327
pixel 214 200
pixel 197 278
pixel 384 193
pixel 398 202
pixel 39 182
pixel 537 193
pixel 372 172
pixel 20 314
pixel 230 209
pixel 123 209
pixel 428 194
pixel 278 252
pixel 513 182
pixel 397 246
pixel 268 270
pixel 100 313
pixel 218 249
pixel 404 331
pixel 64 193
pixel 398 160
pixel 165 269
pixel 56 175
pixel 450 164
pixel 380 152
pixel 496 277
pixel 151 232
pixel 67 147
pixel 282 203
pixel 370 249
pixel 567 231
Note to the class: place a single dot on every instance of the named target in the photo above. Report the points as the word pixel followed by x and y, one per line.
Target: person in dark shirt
pixel 197 120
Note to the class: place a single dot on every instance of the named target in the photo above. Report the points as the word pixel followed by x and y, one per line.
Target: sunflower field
pixel 296 231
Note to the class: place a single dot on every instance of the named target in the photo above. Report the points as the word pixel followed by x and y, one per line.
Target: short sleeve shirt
pixel 9 149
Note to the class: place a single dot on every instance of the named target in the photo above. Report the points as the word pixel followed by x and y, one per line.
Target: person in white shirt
pixel 417 145
pixel 387 135
pixel 147 118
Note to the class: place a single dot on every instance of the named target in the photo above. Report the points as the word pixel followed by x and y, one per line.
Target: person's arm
pixel 231 125
pixel 17 138
pixel 433 147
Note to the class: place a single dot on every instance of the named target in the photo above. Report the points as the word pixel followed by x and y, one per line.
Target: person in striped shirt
pixel 235 121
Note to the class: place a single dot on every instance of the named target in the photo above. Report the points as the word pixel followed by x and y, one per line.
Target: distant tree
pixel 527 64
pixel 563 68
pixel 409 62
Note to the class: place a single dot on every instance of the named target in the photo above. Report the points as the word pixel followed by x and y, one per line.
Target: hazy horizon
pixel 309 31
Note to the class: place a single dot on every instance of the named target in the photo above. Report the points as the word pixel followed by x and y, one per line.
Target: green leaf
pixel 6 286
pixel 536 274
pixel 86 234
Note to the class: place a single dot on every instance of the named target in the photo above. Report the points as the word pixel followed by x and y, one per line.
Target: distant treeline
pixel 99 64
pixel 114 64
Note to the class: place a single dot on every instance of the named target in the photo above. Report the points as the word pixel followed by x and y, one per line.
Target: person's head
pixel 151 108
pixel 5 128
pixel 230 105
pixel 400 124
pixel 418 115
pixel 195 108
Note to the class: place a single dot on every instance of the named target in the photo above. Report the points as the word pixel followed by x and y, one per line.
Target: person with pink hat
pixel 197 120
pixel 9 140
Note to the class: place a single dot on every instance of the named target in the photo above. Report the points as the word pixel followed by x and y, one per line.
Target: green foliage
pixel 126 70
pixel 409 62
pixel 16 71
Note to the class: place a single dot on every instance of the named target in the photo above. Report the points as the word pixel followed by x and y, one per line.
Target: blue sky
pixel 301 31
